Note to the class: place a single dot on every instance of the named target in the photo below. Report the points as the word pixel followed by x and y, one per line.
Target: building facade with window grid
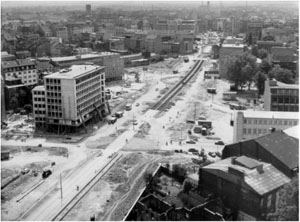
pixel 281 97
pixel 251 124
pixel 73 96
pixel 19 72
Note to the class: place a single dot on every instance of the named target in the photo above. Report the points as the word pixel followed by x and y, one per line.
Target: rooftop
pixel 39 88
pixel 233 46
pixel 73 72
pixel 277 84
pixel 293 131
pixel 270 114
pixel 262 183
pixel 86 56
pixel 17 63
pixel 282 146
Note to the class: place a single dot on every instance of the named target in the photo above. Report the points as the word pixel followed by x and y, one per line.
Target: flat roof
pixel 86 56
pixel 286 86
pixel 233 46
pixel 270 114
pixel 17 63
pixel 39 88
pixel 73 72
pixel 293 131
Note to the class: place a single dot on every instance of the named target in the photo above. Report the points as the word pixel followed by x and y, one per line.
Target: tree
pixel 241 70
pixel 250 38
pixel 262 53
pixel 282 75
pixel 28 108
pixel 287 208
pixel 187 187
pixel 151 181
pixel 265 66
pixel 254 51
pixel 260 79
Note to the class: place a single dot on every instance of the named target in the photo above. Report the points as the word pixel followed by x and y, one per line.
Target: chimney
pixel 233 160
pixel 260 168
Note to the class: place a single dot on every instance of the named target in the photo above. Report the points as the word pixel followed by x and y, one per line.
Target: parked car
pixel 135 122
pixel 220 142
pixel 213 154
pixel 218 154
pixel 137 104
pixel 46 173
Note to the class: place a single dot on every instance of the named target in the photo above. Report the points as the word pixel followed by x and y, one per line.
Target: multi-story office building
pixel 255 28
pixel 226 52
pixel 19 72
pixel 70 98
pixel 114 64
pixel 279 96
pixel 251 124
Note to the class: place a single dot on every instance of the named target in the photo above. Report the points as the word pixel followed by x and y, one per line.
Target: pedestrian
pixel 163 127
pixel 166 143
pixel 126 140
pixel 171 142
pixel 77 187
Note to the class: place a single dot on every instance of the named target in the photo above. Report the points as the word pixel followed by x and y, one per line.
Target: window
pixel 255 121
pixel 259 131
pixel 254 131
pixel 260 121
pixel 245 131
pixel 249 131
pixel 245 121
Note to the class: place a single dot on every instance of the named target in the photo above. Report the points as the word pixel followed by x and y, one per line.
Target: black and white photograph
pixel 139 110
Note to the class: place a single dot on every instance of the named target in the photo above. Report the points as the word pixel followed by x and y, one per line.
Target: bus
pixel 128 107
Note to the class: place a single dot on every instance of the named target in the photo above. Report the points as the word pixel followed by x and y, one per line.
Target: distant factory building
pixel 114 64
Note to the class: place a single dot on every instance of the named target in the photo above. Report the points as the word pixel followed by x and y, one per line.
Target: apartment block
pixel 279 96
pixel 227 51
pixel 114 64
pixel 70 97
pixel 19 72
pixel 252 124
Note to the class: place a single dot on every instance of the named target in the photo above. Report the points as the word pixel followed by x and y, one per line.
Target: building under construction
pixel 70 98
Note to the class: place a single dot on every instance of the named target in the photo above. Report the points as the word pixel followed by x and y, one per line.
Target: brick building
pixel 278 148
pixel 245 185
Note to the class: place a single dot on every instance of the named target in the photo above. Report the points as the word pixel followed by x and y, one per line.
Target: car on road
pixel 193 150
pixel 135 122
pixel 190 142
pixel 137 104
pixel 220 142
pixel 25 171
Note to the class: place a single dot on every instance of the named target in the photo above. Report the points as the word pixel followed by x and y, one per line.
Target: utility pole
pixel 132 120
pixel 195 112
pixel 61 192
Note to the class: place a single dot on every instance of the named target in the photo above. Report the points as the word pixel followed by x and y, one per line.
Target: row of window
pixel 88 83
pixel 250 131
pixel 20 73
pixel 13 69
pixel 55 114
pixel 95 87
pixel 38 92
pixel 285 91
pixel 90 107
pixel 89 76
pixel 39 105
pixel 271 122
pixel 89 102
pixel 94 93
pixel 40 112
pixel 54 88
pixel 52 81
pixel 54 108
pixel 51 94
pixel 40 119
pixel 286 100
pixel 40 99
pixel 54 101
pixel 287 108
pixel 29 81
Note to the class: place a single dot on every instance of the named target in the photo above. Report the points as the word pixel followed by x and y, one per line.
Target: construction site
pixel 98 173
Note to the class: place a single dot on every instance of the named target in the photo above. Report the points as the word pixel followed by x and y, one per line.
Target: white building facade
pixel 251 124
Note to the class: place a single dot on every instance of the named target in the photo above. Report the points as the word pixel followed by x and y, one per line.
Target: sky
pixel 10 3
